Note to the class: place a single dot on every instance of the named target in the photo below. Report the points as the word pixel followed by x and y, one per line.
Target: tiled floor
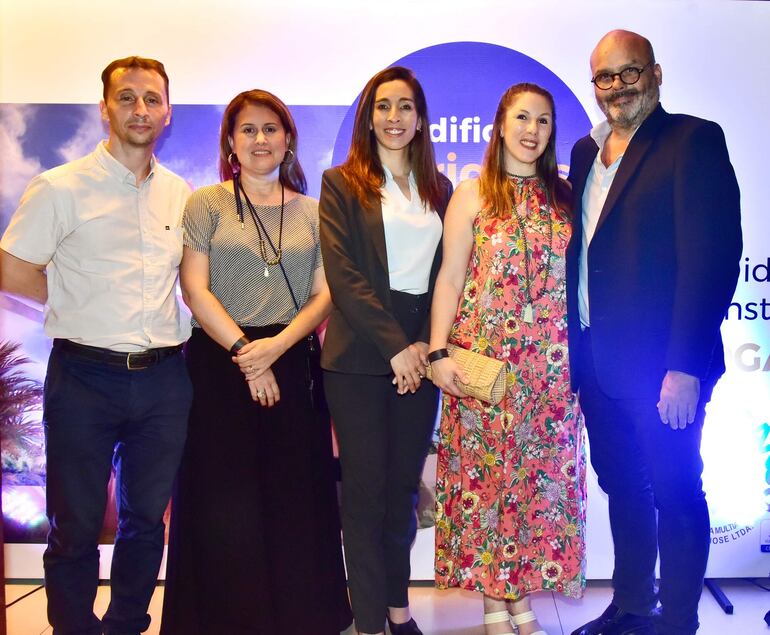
pixel 459 612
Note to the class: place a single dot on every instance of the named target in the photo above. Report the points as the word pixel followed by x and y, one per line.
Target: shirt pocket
pixel 170 245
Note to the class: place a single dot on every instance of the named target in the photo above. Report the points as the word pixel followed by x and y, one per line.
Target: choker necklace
pixel 238 188
pixel 528 312
pixel 521 176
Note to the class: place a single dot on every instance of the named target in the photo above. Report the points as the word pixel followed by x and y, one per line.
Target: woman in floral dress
pixel 510 485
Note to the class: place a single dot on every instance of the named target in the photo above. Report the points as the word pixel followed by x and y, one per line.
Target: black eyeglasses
pixel 628 76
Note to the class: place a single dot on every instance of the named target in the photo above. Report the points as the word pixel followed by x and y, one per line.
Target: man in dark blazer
pixel 652 267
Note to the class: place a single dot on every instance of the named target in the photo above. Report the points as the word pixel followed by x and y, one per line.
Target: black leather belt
pixel 132 361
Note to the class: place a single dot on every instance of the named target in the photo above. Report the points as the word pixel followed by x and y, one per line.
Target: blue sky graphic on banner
pixel 38 137
pixel 463 82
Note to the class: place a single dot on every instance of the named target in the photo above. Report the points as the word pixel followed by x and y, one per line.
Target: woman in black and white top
pixel 380 232
pixel 255 545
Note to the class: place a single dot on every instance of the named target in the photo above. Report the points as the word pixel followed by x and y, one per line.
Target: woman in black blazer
pixel 381 214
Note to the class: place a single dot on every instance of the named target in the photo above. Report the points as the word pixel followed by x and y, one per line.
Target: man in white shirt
pixel 652 267
pixel 98 241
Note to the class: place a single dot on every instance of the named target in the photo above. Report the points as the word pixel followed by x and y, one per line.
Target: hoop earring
pixel 235 165
pixel 289 156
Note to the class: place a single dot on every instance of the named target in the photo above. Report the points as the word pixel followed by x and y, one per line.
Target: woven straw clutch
pixel 487 374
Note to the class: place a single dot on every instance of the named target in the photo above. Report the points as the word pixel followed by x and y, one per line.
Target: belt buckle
pixel 138 354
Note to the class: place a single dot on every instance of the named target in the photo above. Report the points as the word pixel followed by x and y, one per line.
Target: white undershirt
pixel 412 234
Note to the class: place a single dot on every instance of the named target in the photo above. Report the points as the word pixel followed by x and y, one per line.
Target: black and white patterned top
pixel 236 269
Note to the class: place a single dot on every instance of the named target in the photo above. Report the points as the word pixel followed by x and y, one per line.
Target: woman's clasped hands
pixel 254 360
pixel 409 367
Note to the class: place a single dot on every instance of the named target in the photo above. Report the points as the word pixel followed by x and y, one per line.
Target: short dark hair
pixel 290 172
pixel 133 61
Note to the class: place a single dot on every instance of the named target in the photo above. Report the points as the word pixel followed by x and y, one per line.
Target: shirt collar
pixel 390 180
pixel 116 168
pixel 602 130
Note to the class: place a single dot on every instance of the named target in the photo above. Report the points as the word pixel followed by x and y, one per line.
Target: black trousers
pixel 383 440
pixel 652 477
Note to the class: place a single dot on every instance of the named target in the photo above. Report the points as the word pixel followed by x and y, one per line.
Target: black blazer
pixel 362 335
pixel 664 261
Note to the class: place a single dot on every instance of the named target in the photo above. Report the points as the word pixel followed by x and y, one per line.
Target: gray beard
pixel 631 116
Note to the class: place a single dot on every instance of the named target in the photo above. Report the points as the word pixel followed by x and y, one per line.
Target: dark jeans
pixel 645 466
pixel 97 416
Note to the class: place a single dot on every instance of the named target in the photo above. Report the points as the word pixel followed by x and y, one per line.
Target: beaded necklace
pixel 528 312
pixel 238 188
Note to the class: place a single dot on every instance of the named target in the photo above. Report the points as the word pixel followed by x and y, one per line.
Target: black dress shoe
pixel 615 621
pixel 407 628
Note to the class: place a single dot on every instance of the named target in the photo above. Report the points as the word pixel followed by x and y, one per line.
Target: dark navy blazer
pixel 663 263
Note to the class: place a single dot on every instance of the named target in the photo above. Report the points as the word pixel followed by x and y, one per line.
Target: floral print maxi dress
pixel 510 497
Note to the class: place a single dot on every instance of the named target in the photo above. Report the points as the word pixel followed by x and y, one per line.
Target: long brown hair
pixel 363 171
pixel 495 187
pixel 290 172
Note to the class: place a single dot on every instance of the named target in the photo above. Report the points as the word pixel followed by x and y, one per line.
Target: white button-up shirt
pixel 112 249
pixel 412 233
pixel 597 187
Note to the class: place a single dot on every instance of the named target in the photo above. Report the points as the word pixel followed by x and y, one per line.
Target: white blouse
pixel 412 234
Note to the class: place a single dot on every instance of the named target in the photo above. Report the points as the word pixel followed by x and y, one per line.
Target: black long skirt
pixel 254 544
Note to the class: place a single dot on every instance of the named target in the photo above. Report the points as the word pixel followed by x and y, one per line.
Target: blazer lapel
pixel 583 168
pixel 633 156
pixel 583 160
pixel 373 216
